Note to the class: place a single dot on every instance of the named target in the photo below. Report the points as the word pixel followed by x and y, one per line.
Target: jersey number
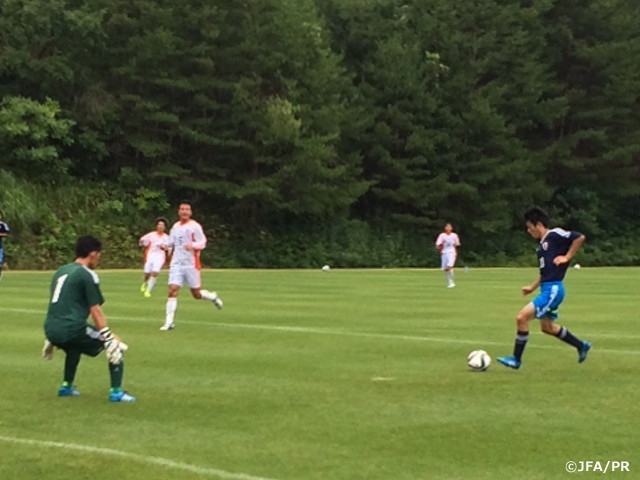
pixel 59 284
pixel 541 263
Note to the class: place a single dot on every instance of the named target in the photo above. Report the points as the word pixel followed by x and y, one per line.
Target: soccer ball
pixel 478 360
pixel 326 268
pixel 577 266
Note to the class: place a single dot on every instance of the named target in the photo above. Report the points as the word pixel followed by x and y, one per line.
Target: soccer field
pixel 306 375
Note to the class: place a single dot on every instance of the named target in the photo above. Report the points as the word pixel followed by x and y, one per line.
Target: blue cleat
pixel 510 362
pixel 68 392
pixel 582 351
pixel 121 397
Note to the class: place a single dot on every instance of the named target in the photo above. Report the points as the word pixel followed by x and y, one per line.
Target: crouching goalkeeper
pixel 76 295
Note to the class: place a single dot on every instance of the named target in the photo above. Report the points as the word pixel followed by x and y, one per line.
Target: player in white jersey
pixel 156 244
pixel 187 240
pixel 447 243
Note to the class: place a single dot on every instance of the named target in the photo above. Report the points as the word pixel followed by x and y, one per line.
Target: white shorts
pixel 154 263
pixel 448 260
pixel 178 275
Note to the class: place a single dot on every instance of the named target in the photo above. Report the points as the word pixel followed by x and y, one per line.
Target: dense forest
pixel 307 132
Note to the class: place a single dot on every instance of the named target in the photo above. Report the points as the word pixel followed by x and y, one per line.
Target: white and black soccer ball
pixel 577 266
pixel 326 268
pixel 478 360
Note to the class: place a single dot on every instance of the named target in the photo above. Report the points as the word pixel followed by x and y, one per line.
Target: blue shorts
pixel 547 302
pixel 1 255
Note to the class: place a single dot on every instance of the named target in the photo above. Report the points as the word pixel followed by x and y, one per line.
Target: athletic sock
pixel 521 342
pixel 207 295
pixel 566 336
pixel 116 372
pixel 172 306
pixel 151 283
pixel 71 365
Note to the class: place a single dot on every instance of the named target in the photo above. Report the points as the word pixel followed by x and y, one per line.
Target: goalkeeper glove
pixel 111 346
pixel 113 351
pixel 47 350
pixel 105 334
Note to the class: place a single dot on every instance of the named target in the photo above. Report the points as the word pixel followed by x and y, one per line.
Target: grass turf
pixel 305 375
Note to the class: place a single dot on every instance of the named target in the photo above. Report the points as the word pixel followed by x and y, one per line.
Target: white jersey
pixel 448 242
pixel 184 234
pixel 155 246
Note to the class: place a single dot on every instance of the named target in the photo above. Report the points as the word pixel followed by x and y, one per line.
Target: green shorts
pixel 87 344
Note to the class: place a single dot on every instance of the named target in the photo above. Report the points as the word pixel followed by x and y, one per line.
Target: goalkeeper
pixel 75 294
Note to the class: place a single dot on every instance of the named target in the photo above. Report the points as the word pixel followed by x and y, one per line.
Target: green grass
pixel 335 376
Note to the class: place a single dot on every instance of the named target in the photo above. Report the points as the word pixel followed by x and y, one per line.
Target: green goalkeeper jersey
pixel 74 290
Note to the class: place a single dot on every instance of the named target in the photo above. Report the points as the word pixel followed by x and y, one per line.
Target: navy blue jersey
pixel 556 242
pixel 4 228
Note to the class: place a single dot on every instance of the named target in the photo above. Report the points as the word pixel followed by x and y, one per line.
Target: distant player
pixel 75 295
pixel 447 244
pixel 556 248
pixel 4 232
pixel 156 244
pixel 187 240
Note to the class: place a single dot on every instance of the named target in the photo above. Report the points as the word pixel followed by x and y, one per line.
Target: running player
pixel 156 244
pixel 447 243
pixel 74 295
pixel 556 248
pixel 4 232
pixel 187 240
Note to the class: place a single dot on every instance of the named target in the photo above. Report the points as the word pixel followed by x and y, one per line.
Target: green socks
pixel 116 372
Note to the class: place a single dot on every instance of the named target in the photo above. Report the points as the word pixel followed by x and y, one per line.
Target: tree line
pixel 308 132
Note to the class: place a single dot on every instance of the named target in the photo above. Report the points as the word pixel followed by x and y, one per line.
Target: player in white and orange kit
pixel 187 240
pixel 156 244
pixel 447 243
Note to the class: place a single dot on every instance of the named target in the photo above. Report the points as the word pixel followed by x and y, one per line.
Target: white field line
pixel 164 462
pixel 348 333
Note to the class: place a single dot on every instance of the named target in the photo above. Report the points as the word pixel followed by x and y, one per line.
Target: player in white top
pixel 187 240
pixel 156 244
pixel 447 243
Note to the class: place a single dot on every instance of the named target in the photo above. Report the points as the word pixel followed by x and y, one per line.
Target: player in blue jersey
pixel 556 248
pixel 4 232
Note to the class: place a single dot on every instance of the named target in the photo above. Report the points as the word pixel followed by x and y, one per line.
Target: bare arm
pixel 98 317
pixel 531 288
pixel 575 246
